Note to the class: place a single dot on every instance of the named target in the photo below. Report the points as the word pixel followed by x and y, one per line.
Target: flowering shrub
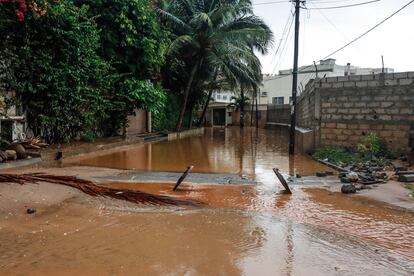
pixel 39 7
pixel 72 67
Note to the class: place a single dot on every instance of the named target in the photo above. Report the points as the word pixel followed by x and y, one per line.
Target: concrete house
pixel 277 89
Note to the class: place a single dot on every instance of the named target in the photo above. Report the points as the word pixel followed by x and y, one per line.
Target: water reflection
pixel 249 151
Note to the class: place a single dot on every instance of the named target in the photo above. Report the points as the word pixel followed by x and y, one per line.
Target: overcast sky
pixel 324 31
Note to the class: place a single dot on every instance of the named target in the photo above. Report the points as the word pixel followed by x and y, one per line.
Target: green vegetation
pixel 410 186
pixel 373 146
pixel 337 156
pixel 78 68
pixel 211 41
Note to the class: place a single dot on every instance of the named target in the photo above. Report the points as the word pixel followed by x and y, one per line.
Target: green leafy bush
pixel 373 145
pixel 336 155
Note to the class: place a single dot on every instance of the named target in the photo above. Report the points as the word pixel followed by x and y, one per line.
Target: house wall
pixel 138 123
pixel 342 110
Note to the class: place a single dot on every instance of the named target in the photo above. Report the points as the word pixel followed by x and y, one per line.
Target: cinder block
pixel 361 84
pixel 341 125
pixel 373 83
pixel 360 104
pixel 407 111
pixel 349 84
pixel 406 81
pixel 367 77
pixel 331 125
pixel 343 78
pixel 387 104
pixel 332 79
pixel 355 77
pixel 402 75
pixel 326 85
pixel 384 117
pixel 390 82
pixel 337 85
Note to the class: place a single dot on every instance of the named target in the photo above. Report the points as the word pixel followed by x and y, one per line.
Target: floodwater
pixel 237 230
pixel 249 151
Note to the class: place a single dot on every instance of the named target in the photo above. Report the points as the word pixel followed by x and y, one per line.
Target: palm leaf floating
pixel 92 189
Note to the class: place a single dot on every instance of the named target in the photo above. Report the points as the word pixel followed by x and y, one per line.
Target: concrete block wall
pixel 342 110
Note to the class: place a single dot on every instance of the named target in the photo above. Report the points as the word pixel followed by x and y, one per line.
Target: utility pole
pixel 295 80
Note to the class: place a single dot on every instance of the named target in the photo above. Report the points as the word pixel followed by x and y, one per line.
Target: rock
pixel 406 178
pixel 11 154
pixel 329 173
pixel 298 176
pixel 20 150
pixel 359 187
pixel 348 189
pixel 345 180
pixel 31 210
pixel 321 174
pixel 352 176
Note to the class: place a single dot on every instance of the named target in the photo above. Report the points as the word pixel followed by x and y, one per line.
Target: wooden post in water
pixel 282 180
pixel 183 176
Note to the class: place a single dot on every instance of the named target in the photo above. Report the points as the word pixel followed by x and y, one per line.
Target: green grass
pixel 337 156
pixel 410 186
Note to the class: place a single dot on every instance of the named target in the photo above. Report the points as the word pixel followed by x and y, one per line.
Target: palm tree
pixel 240 102
pixel 219 34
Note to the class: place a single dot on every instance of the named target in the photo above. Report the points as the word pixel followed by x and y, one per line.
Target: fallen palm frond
pixel 34 143
pixel 92 189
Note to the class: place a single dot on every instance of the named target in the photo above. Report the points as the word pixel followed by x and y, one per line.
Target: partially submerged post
pixel 282 180
pixel 183 176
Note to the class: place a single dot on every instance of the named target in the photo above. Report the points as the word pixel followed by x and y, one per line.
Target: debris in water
pixel 31 210
pixel 92 189
pixel 282 180
pixel 183 176
pixel 348 189
pixel 321 174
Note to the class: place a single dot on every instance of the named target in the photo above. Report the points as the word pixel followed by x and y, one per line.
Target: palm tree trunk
pixel 203 115
pixel 242 108
pixel 190 117
pixel 186 93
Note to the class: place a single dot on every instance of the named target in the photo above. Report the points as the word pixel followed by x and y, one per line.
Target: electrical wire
pixel 370 30
pixel 270 3
pixel 289 19
pixel 362 35
pixel 284 48
pixel 345 6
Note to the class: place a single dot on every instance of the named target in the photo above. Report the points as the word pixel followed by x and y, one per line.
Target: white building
pixel 277 89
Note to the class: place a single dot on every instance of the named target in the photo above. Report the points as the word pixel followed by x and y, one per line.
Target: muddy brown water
pixel 238 230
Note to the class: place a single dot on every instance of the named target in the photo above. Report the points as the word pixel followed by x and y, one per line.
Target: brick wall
pixel 342 110
pixel 346 108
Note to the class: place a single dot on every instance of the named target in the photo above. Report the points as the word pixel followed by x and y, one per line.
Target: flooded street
pixel 236 230
pixel 249 151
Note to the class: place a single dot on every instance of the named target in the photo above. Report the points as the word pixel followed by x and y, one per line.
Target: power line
pixel 281 38
pixel 365 33
pixel 270 3
pixel 286 42
pixel 359 37
pixel 345 6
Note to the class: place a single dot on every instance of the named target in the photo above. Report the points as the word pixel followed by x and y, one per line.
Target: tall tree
pixel 216 34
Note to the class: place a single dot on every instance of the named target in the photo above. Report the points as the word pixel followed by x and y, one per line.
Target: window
pixel 218 97
pixel 264 94
pixel 278 100
pixel 290 100
pixel 224 97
